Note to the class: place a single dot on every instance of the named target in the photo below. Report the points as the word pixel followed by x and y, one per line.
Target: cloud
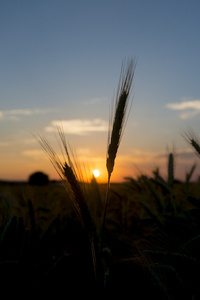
pixel 195 104
pixel 83 152
pixel 29 141
pixel 79 126
pixel 96 100
pixel 191 108
pixel 35 153
pixel 92 101
pixel 15 114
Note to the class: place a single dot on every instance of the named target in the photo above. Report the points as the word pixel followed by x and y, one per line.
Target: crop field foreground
pixel 147 242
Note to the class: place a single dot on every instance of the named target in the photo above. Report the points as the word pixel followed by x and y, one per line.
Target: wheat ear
pixel 68 171
pixel 193 140
pixel 121 105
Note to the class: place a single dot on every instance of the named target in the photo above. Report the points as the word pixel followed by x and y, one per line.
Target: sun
pixel 96 173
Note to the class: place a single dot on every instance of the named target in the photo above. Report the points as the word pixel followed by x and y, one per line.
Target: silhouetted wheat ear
pixel 79 199
pixel 70 172
pixel 192 139
pixel 121 105
pixel 195 144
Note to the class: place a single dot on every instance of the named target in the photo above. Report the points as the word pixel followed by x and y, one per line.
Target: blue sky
pixel 61 60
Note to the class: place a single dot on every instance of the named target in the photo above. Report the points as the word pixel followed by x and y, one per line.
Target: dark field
pixel 151 242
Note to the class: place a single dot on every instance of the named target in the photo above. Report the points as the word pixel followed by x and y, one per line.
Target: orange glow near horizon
pixel 20 168
pixel 23 167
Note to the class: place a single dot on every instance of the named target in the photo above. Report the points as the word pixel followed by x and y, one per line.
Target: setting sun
pixel 96 173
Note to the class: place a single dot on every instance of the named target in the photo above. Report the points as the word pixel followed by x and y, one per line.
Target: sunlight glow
pixel 96 173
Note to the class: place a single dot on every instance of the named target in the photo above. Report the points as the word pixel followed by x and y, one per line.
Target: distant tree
pixel 38 178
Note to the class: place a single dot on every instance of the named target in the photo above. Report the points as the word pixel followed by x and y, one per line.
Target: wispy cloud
pixel 95 100
pixel 83 152
pixel 79 126
pixel 191 108
pixel 35 153
pixel 15 114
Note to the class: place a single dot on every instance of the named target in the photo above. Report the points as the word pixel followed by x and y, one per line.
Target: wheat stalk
pixel 118 123
pixel 171 170
pixel 171 158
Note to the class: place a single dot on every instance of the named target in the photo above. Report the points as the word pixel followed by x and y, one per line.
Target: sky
pixel 60 64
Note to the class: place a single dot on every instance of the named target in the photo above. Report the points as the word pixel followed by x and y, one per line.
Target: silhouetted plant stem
pixel 105 210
